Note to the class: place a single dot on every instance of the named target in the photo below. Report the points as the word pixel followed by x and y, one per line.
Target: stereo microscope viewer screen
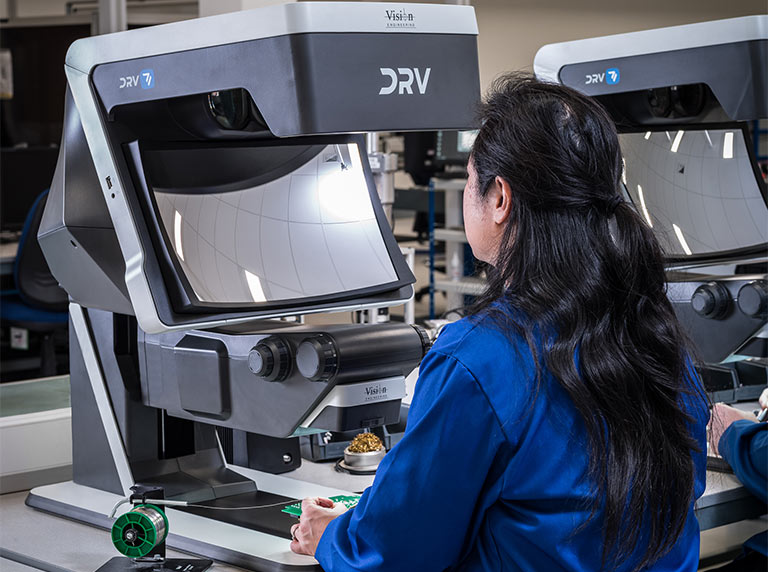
pixel 697 188
pixel 273 221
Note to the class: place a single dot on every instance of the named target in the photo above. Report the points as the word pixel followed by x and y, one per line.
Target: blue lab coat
pixel 485 477
pixel 745 446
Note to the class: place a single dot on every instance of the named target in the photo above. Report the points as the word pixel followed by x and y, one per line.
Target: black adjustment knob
pixel 426 343
pixel 316 358
pixel 753 299
pixel 260 360
pixel 711 300
pixel 270 359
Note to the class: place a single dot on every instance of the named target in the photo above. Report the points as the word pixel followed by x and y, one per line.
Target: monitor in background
pixel 419 155
pixel 437 154
pixel 453 147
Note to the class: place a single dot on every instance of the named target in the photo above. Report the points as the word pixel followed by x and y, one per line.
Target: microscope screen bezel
pixel 722 255
pixel 180 292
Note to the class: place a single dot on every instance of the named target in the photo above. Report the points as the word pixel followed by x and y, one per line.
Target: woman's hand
pixel 316 513
pixel 722 417
pixel 764 399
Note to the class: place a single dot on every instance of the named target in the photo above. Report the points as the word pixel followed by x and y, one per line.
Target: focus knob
pixel 316 358
pixel 711 300
pixel 426 343
pixel 260 360
pixel 270 359
pixel 753 299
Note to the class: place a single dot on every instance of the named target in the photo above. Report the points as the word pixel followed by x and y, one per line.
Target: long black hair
pixel 582 269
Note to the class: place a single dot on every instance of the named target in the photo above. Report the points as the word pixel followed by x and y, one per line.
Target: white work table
pixel 46 542
pixel 53 543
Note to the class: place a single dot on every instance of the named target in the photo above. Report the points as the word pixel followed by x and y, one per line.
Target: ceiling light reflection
pixel 642 205
pixel 177 222
pixel 682 240
pixel 676 142
pixel 624 171
pixel 344 195
pixel 254 285
pixel 728 145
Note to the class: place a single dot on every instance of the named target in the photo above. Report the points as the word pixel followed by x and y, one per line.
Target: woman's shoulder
pixel 489 346
pixel 497 330
pixel 492 354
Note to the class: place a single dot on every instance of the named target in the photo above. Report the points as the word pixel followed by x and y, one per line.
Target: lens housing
pixel 230 108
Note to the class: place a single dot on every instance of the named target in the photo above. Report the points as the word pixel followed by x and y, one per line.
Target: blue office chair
pixel 38 304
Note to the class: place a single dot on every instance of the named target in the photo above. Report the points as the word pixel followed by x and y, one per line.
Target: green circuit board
pixel 348 501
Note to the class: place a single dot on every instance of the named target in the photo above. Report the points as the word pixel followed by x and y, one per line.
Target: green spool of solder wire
pixel 139 530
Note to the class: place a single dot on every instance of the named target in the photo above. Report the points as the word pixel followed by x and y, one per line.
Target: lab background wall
pixel 510 31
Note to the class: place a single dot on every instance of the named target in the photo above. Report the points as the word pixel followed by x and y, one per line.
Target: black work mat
pixel 122 564
pixel 270 520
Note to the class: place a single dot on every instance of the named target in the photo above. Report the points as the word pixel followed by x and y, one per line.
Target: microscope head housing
pixel 717 70
pixel 213 171
pixel 686 101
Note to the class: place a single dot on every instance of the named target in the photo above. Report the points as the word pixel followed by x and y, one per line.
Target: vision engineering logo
pixel 611 76
pixel 400 19
pixel 375 393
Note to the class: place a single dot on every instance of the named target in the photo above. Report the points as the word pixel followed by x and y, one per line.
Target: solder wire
pixel 155 518
pixel 172 504
pixel 284 503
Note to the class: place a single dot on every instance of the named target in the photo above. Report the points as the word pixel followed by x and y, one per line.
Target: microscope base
pixel 193 533
pixel 123 564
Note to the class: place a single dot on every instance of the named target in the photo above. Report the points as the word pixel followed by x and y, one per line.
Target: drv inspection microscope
pixel 212 175
pixel 686 101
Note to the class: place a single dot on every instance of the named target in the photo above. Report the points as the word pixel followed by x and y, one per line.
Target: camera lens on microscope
pixel 660 101
pixel 689 100
pixel 230 108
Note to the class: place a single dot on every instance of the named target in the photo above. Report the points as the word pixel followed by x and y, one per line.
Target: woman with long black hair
pixel 560 426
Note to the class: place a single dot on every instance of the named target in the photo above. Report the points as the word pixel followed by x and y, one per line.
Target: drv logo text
pixel 145 78
pixel 403 79
pixel 610 76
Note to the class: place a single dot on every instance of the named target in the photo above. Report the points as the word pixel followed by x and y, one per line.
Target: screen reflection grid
pixel 312 232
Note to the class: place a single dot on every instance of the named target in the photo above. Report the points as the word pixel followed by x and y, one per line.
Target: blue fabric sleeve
pixel 745 446
pixel 420 510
